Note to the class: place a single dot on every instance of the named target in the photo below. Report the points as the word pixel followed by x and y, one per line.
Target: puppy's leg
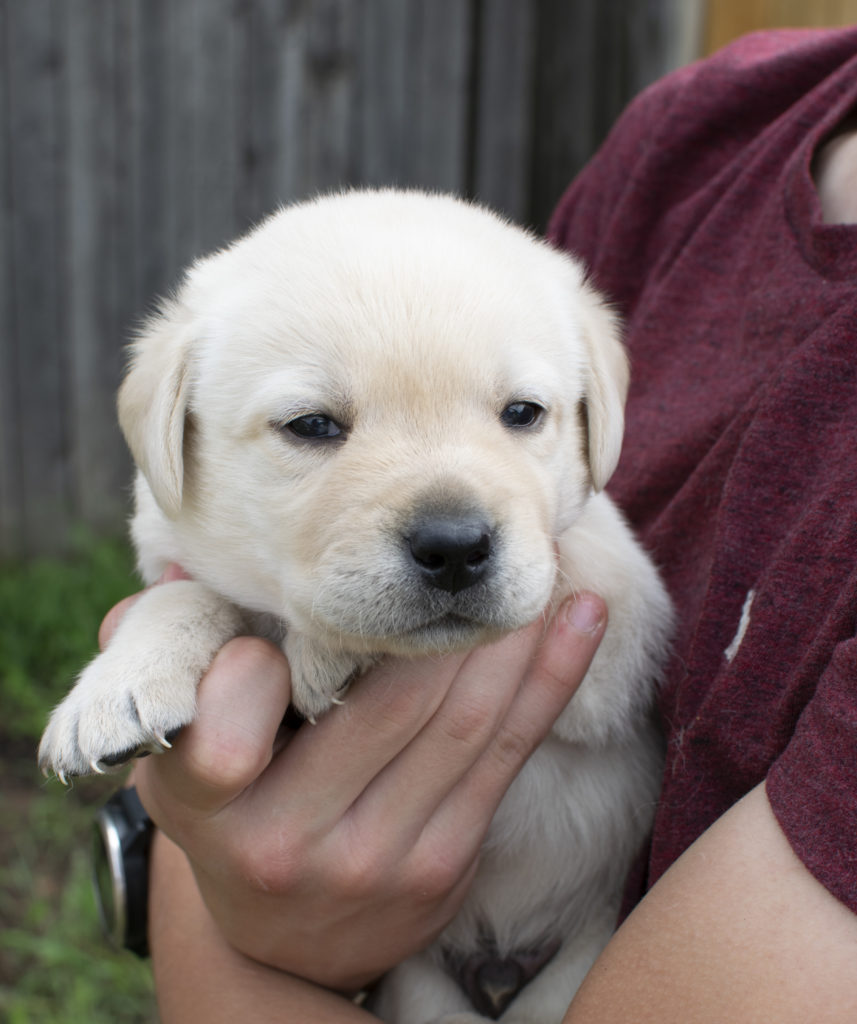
pixel 320 676
pixel 142 687
pixel 547 997
pixel 419 991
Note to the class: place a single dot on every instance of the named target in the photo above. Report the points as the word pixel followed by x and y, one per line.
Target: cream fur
pixel 412 321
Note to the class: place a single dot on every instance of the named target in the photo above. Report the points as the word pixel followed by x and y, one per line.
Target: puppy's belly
pixel 543 870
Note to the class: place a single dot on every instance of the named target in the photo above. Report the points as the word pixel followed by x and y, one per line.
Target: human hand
pixel 338 850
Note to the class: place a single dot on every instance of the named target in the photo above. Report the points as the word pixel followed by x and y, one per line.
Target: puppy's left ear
pixel 153 403
pixel 606 388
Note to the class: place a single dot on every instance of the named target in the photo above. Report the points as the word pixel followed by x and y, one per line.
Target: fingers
pixel 327 766
pixel 432 744
pixel 241 702
pixel 552 680
pixel 421 776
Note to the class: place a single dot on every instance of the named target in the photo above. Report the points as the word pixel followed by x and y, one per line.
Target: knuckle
pixel 432 874
pixel 360 878
pixel 224 761
pixel 511 747
pixel 270 862
pixel 358 866
pixel 224 749
pixel 472 719
pixel 393 708
pixel 262 871
pixel 246 655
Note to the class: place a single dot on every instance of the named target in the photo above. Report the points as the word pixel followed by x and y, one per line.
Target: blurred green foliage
pixel 54 965
pixel 49 615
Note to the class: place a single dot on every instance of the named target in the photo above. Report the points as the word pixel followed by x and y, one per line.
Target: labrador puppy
pixel 366 428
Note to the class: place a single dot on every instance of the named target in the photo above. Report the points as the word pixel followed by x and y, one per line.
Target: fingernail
pixel 585 613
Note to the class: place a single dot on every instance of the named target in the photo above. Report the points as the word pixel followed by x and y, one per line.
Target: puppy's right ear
pixel 153 402
pixel 606 387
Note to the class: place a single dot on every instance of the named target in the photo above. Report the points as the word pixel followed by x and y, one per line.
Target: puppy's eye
pixel 314 427
pixel 521 414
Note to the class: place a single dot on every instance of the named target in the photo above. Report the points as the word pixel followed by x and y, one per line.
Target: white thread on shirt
pixel 744 622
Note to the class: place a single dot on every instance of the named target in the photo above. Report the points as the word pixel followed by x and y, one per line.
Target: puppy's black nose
pixel 451 552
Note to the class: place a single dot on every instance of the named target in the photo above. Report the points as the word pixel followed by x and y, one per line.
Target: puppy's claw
pixel 96 767
pixel 61 776
pixel 337 700
pixel 162 742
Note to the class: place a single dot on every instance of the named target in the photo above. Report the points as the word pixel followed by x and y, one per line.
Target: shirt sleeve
pixel 812 787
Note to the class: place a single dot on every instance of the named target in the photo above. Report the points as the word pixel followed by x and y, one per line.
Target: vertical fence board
pixel 98 258
pixel 565 100
pixel 11 445
pixel 328 88
pixel 502 128
pixel 214 156
pixel 259 27
pixel 147 144
pixel 437 89
pixel 35 82
pixel 182 100
pixel 380 120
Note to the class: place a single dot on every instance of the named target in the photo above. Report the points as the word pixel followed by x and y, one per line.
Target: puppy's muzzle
pixel 450 552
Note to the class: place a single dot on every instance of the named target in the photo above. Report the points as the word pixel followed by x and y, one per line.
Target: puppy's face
pixel 373 415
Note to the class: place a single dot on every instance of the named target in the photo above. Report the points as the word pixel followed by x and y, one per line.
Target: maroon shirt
pixel 700 219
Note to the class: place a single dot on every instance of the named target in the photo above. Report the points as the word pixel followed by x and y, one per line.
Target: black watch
pixel 121 840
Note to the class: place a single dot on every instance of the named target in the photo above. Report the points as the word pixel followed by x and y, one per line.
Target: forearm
pixel 737 930
pixel 199 976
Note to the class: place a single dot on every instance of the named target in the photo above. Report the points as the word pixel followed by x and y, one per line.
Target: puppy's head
pixel 373 415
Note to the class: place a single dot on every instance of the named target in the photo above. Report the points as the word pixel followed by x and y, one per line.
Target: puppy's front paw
pixel 320 677
pixel 116 711
pixel 142 688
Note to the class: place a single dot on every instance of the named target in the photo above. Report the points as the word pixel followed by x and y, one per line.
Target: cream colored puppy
pixel 365 428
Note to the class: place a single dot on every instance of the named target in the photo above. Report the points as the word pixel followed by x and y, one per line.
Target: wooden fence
pixel 136 134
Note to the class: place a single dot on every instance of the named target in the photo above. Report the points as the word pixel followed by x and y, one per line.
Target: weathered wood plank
pixel 100 262
pixel 437 91
pixel 11 443
pixel 500 174
pixel 214 151
pixel 289 153
pixel 381 114
pixel 565 100
pixel 259 29
pixel 184 98
pixel 148 144
pixel 35 84
pixel 327 101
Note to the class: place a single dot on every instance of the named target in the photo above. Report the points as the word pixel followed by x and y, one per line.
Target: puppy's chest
pixel 535 863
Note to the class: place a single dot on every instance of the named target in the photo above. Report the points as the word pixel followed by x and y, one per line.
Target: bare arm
pixel 736 930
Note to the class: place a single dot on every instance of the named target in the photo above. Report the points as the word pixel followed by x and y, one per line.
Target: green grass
pixel 54 965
